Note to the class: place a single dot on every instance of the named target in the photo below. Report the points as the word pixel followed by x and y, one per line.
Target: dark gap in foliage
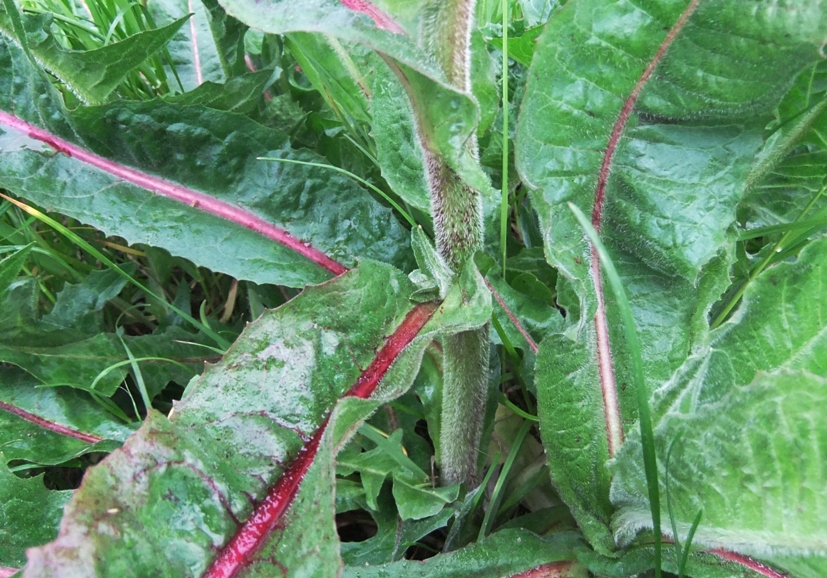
pixel 427 547
pixel 355 526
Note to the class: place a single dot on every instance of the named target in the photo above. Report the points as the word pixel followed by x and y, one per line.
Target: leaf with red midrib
pixel 50 425
pixel 239 481
pixel 652 128
pixel 250 536
pixel 188 179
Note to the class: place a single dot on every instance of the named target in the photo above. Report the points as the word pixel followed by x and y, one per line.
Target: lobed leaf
pixel 92 74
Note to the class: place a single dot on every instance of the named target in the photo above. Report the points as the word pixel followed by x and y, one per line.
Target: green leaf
pixel 269 414
pixel 393 536
pixel 10 267
pixel 521 48
pixel 573 434
pixel 330 68
pixel 208 48
pixel 92 74
pixel 52 425
pixel 668 133
pixel 70 347
pixel 207 160
pixel 240 94
pixel 506 553
pixel 745 409
pixel 393 128
pixel 483 83
pixel 29 514
pixel 79 306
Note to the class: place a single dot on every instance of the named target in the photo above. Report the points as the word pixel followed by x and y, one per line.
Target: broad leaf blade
pixel 153 153
pixel 634 114
pixel 745 409
pixel 249 430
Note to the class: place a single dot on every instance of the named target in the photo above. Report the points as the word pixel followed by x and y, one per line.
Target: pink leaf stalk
pixel 553 570
pixel 251 536
pixel 382 20
pixel 748 562
pixel 196 56
pixel 194 199
pixel 614 423
pixel 49 425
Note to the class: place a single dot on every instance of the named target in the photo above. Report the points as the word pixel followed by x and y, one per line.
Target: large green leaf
pixel 744 413
pixel 649 117
pixel 92 74
pixel 182 493
pixel 29 514
pixel 187 178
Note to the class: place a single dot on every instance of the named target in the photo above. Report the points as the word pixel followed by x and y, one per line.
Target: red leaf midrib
pixel 608 385
pixel 241 548
pixel 196 200
pixel 49 425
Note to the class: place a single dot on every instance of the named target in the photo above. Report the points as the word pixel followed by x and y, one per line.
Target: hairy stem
pixel 463 405
pixel 457 212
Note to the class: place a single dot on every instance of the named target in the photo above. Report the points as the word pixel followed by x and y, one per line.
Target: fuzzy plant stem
pixel 457 214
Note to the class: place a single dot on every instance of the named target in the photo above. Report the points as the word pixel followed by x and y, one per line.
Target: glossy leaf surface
pixel 50 425
pixel 244 426
pixel 206 159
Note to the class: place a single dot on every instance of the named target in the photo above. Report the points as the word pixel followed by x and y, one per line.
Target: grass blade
pixel 89 248
pixel 633 344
